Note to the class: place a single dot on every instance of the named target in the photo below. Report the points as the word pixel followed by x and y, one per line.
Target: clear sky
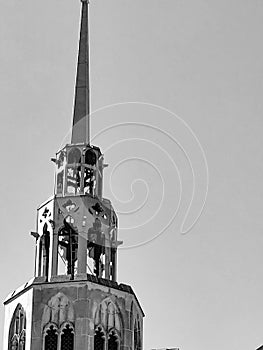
pixel 200 59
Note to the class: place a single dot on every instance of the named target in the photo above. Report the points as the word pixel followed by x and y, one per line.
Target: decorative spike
pixel 81 116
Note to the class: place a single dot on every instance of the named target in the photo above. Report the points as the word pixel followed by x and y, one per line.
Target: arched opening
pixel 74 156
pixel 60 181
pixel 45 245
pixel 17 330
pixel 22 341
pixel 90 172
pixel 113 341
pixel 99 339
pixel 90 157
pixel 51 338
pixel 67 338
pixel 74 171
pixel 68 245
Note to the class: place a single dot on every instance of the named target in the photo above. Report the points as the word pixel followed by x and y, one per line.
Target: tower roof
pixel 81 114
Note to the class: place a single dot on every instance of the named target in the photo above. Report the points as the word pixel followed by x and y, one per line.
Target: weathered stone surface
pixel 36 329
pixel 83 292
pixel 70 292
pixel 81 308
pixel 79 303
pixel 60 278
pixel 81 342
pixel 36 344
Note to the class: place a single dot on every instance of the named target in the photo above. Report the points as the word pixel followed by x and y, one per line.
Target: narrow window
pixel 60 180
pixel 99 339
pixel 17 331
pixel 51 338
pixel 22 341
pixel 67 338
pixel 90 157
pixel 136 337
pixel 113 341
pixel 74 156
pixel 89 172
pixel 14 343
pixel 68 242
pixel 73 179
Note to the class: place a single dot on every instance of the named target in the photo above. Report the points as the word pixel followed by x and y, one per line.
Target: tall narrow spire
pixel 81 115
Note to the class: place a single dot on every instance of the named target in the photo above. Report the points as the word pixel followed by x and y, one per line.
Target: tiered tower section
pixel 74 301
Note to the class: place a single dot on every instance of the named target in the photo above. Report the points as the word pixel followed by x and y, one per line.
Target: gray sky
pixel 200 59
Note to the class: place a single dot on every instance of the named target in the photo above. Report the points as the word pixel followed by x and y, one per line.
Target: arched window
pixel 74 171
pixel 17 334
pixel 22 341
pixel 67 338
pixel 90 157
pixel 68 245
pixel 99 339
pixel 14 343
pixel 90 172
pixel 113 341
pixel 136 336
pixel 74 156
pixel 51 338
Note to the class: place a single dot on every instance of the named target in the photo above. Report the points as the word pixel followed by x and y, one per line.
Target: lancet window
pixel 45 245
pixel 60 173
pixel 90 172
pixel 67 338
pixel 68 245
pixel 136 336
pixel 113 341
pixel 51 338
pixel 108 332
pixel 59 339
pixel 99 339
pixel 74 171
pixel 17 331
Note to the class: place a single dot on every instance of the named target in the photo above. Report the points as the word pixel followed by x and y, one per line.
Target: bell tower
pixel 74 301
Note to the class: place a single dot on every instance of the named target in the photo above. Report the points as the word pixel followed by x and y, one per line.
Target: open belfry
pixel 74 300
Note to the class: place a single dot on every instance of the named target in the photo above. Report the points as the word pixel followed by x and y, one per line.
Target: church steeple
pixel 81 114
pixel 78 227
pixel 74 302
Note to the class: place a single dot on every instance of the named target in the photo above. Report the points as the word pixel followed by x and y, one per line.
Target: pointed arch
pixel 50 337
pixel 58 310
pixel 99 339
pixel 108 316
pixel 67 336
pixel 17 329
pixel 113 340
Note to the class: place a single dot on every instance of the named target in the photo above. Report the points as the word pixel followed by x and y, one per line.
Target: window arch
pixel 51 338
pixel 74 156
pixel 113 341
pixel 17 331
pixel 90 157
pixel 108 316
pixel 99 339
pixel 73 175
pixel 58 311
pixel 108 326
pixel 59 338
pixel 67 337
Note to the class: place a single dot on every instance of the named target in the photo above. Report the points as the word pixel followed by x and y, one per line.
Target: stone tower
pixel 74 301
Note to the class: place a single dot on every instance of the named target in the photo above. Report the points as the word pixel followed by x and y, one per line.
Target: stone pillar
pixel 82 252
